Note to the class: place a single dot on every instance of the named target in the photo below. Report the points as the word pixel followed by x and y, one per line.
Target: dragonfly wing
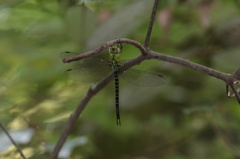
pixel 85 75
pixel 89 70
pixel 142 78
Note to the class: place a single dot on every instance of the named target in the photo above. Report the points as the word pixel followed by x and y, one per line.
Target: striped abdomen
pixel 117 96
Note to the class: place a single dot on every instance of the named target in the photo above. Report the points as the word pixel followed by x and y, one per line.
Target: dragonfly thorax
pixel 114 52
pixel 114 64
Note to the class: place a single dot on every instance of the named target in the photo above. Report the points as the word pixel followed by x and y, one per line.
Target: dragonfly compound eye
pixel 115 49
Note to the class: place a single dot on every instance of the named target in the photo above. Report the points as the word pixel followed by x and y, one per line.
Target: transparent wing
pixel 93 69
pixel 88 70
pixel 142 78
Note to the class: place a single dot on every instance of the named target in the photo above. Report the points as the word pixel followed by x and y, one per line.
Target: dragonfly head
pixel 115 49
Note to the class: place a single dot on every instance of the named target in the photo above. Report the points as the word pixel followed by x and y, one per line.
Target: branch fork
pixel 232 82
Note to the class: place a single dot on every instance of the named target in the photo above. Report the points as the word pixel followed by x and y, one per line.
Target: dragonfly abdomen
pixel 117 96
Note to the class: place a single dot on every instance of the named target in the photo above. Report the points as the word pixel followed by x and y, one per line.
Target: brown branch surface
pixel 103 47
pixel 11 139
pixel 154 10
pixel 180 61
pixel 146 55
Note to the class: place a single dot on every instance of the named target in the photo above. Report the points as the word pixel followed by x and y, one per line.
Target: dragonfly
pixel 93 69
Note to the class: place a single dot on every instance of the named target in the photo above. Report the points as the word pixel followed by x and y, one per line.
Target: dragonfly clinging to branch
pixel 93 69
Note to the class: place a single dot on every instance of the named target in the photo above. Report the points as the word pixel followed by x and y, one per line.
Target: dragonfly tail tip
pixel 118 122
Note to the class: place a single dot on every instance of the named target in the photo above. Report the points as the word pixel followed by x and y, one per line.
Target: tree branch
pixel 146 55
pixel 180 61
pixel 11 139
pixel 154 10
pixel 149 54
pixel 103 47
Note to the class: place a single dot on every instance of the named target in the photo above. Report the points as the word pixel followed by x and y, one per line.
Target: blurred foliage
pixel 189 117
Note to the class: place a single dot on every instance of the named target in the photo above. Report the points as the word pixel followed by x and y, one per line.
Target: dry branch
pixel 154 10
pixel 12 140
pixel 147 54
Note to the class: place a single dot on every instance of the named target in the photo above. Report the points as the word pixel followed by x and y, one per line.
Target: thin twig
pixel 11 139
pixel 154 10
pixel 232 82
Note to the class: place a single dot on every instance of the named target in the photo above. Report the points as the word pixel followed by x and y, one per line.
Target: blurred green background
pixel 188 117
